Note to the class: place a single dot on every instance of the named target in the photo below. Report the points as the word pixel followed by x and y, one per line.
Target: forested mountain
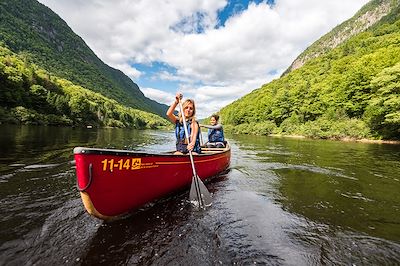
pixel 366 17
pixel 31 95
pixel 352 90
pixel 30 28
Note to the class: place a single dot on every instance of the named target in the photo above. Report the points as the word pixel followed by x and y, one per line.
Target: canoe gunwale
pixel 116 152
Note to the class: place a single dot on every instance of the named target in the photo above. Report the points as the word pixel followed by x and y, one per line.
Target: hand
pixel 190 146
pixel 178 96
pixel 201 125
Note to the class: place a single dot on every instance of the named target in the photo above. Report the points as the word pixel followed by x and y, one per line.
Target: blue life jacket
pixel 181 142
pixel 216 135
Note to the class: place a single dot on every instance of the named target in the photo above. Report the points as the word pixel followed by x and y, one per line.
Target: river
pixel 283 202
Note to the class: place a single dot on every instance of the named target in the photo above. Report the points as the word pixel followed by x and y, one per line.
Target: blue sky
pixel 213 51
pixel 235 7
pixel 150 78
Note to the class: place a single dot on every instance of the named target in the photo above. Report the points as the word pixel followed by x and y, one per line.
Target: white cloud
pixel 158 95
pixel 130 71
pixel 229 61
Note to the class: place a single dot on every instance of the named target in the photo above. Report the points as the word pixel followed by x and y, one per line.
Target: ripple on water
pixel 357 195
pixel 17 165
pixel 40 166
pixel 358 249
pixel 65 232
pixel 329 245
pixel 4 178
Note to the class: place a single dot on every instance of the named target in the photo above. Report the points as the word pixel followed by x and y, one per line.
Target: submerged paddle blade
pixel 199 195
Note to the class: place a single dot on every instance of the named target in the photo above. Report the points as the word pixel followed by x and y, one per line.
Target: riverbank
pixel 345 139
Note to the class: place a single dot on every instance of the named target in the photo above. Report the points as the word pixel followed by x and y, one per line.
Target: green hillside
pixel 28 27
pixel 369 15
pixel 350 91
pixel 31 95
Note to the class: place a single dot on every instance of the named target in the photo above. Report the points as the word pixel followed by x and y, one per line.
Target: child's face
pixel 213 121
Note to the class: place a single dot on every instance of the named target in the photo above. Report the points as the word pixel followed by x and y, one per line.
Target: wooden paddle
pixel 199 194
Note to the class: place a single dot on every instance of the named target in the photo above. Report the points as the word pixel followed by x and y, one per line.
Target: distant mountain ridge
pixel 27 26
pixel 367 16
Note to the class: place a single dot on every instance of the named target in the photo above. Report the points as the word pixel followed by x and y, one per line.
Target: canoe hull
pixel 113 182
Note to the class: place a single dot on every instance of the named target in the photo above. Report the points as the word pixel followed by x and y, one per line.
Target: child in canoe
pixel 216 137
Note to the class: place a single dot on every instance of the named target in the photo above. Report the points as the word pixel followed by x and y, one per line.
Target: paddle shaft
pixel 195 179
pixel 187 137
pixel 201 137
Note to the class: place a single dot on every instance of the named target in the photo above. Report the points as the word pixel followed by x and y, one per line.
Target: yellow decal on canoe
pixel 136 163
pixel 127 164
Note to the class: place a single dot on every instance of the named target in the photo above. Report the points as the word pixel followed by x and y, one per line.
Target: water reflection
pixel 351 189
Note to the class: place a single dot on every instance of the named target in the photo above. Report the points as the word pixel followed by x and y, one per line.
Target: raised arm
pixel 217 126
pixel 171 109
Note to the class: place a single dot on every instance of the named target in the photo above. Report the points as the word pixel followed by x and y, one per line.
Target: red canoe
pixel 114 182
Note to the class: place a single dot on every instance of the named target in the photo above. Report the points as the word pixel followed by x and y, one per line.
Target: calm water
pixel 283 202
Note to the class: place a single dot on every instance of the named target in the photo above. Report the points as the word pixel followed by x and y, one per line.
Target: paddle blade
pixel 199 195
